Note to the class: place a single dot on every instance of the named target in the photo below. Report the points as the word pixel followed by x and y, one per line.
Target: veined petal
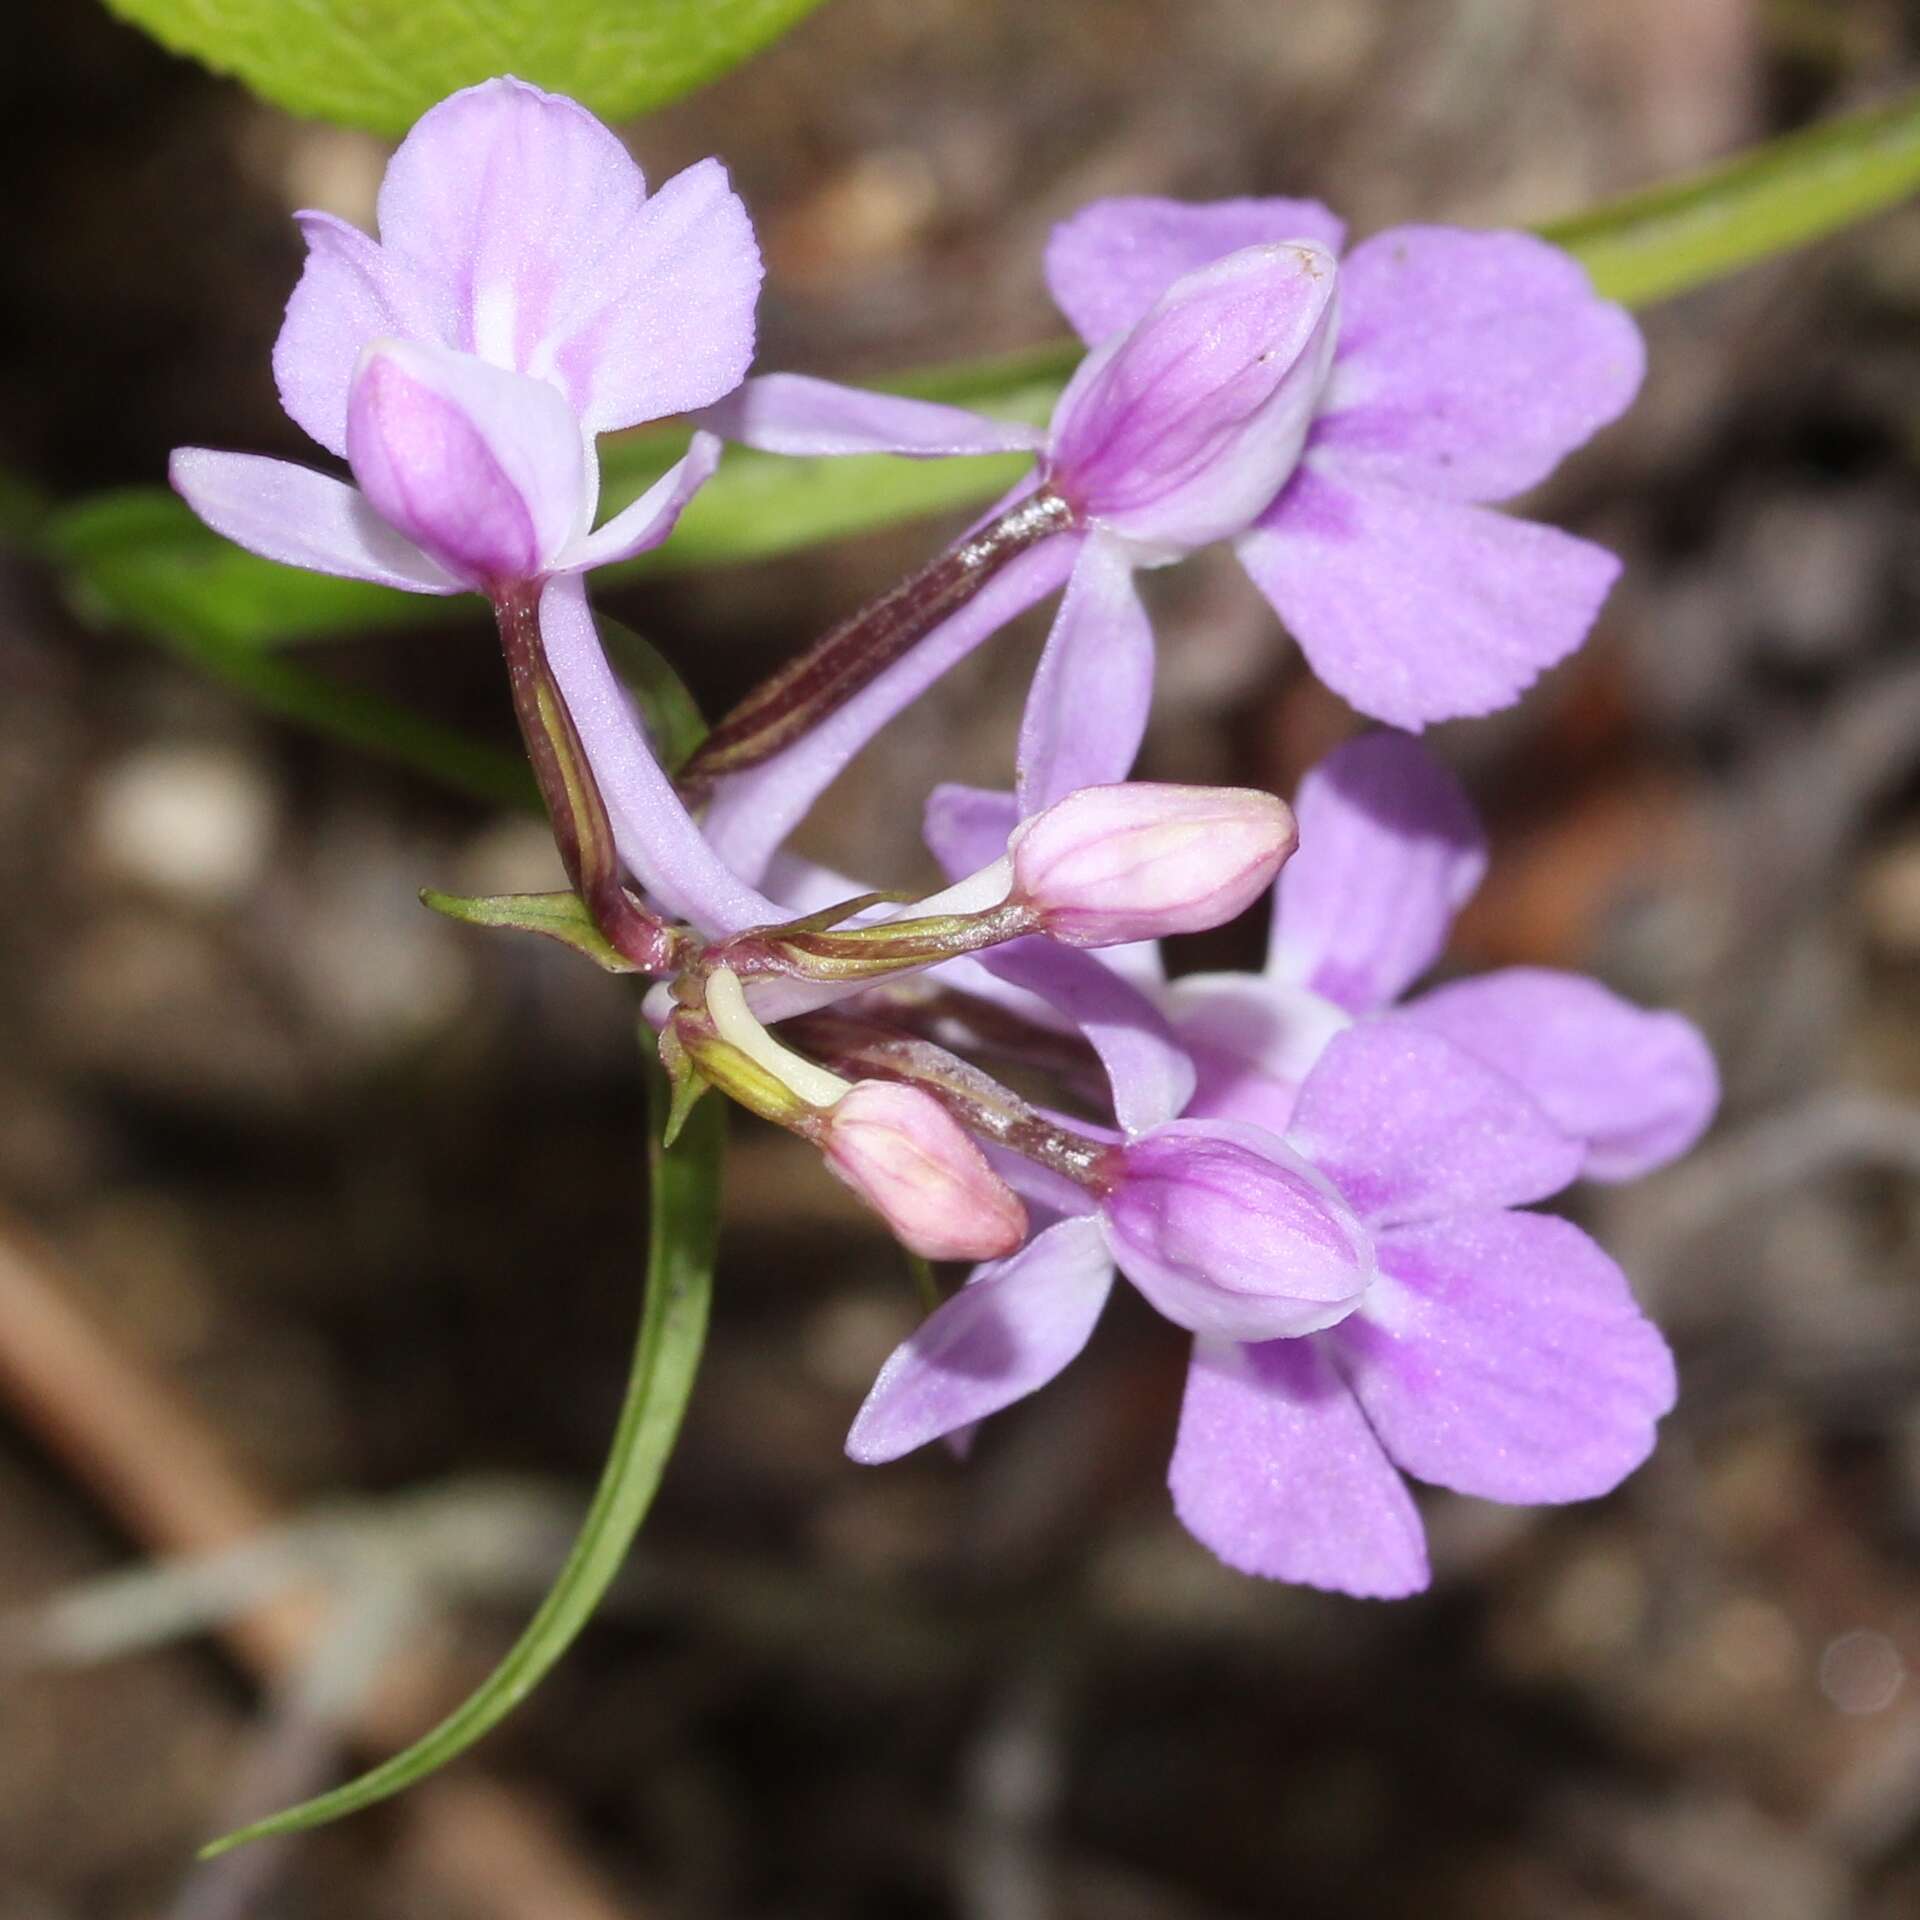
pixel 1086 711
pixel 1010 1329
pixel 1416 609
pixel 1276 1469
pixel 792 413
pixel 1470 364
pixel 646 523
pixel 350 293
pixel 1639 1088
pixel 1111 261
pixel 1390 850
pixel 752 812
pixel 1502 1355
pixel 302 519
pixel 659 841
pixel 1409 1127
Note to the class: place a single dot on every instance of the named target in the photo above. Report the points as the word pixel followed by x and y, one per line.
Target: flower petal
pixel 1409 1127
pixel 966 828
pixel 1112 260
pixel 1503 1356
pixel 1010 1329
pixel 1390 850
pixel 792 413
pixel 647 521
pixel 1418 609
pixel 752 812
pixel 1087 709
pixel 1471 363
pixel 1253 1043
pixel 1639 1088
pixel 302 519
pixel 350 294
pixel 1276 1469
pixel 659 841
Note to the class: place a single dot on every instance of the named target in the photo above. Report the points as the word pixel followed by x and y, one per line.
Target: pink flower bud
pixel 909 1160
pixel 1135 861
pixel 484 469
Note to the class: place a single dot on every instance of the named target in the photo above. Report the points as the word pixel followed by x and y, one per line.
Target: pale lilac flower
pixel 525 295
pixel 1343 436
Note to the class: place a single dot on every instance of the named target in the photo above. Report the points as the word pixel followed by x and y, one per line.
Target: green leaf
pixel 557 916
pixel 674 720
pixel 381 63
pixel 685 1202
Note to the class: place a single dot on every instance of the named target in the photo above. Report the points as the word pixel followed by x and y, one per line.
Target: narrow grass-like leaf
pixel 673 716
pixel 555 916
pixel 685 1200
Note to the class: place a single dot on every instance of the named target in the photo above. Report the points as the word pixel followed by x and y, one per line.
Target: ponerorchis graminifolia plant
pixel 1329 1188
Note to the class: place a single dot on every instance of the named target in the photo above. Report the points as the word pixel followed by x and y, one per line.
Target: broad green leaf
pixel 555 916
pixel 685 1200
pixel 381 63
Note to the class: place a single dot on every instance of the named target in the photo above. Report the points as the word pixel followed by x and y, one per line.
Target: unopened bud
pixel 1136 861
pixel 909 1160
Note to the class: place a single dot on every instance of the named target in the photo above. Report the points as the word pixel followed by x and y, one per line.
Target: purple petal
pixel 1253 1042
pixel 1086 711
pixel 966 828
pixel 658 839
pixel 1112 260
pixel 752 812
pixel 1503 1356
pixel 302 519
pixel 1009 1330
pixel 1419 609
pixel 792 413
pixel 1410 1128
pixel 1146 1066
pixel 1180 431
pixel 1390 850
pixel 350 294
pixel 648 521
pixel 1471 363
pixel 1276 1470
pixel 663 321
pixel 1639 1088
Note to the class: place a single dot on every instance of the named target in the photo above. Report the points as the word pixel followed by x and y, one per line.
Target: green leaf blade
pixel 684 1232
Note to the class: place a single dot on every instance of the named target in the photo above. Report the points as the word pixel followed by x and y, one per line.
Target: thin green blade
pixel 685 1195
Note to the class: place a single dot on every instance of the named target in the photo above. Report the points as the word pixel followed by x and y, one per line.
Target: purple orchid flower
pixel 1342 428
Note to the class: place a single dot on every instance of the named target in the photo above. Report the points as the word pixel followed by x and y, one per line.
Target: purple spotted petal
pixel 643 525
pixel 1276 1470
pixel 302 519
pixel 965 828
pixel 1086 711
pixel 350 293
pixel 1502 1355
pixel 1410 1128
pixel 1112 260
pixel 1390 850
pixel 1471 363
pixel 752 812
pixel 1416 609
pixel 658 839
pixel 1009 1330
pixel 1639 1088
pixel 792 413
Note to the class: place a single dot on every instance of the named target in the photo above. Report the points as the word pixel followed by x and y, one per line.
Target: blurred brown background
pixel 366 1187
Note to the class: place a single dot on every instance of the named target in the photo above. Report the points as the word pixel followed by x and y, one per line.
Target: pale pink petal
pixel 1087 708
pixel 1390 850
pixel 1416 609
pixel 1502 1355
pixel 1008 1331
pixel 1409 1127
pixel 792 413
pixel 1639 1088
pixel 302 519
pixel 1112 260
pixel 646 523
pixel 1276 1470
pixel 1471 363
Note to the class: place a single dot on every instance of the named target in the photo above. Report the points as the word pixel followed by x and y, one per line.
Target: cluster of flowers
pixel 1325 1183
